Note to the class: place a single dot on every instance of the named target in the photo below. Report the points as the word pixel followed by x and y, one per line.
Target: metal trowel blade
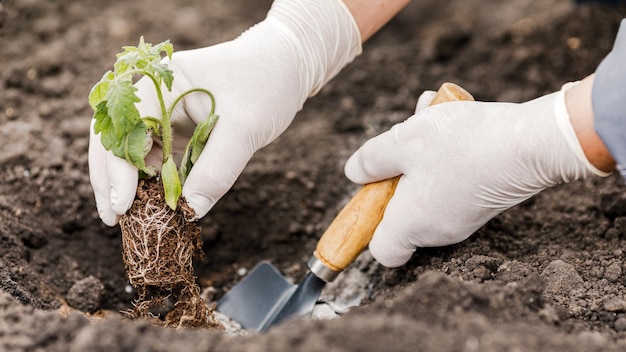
pixel 265 298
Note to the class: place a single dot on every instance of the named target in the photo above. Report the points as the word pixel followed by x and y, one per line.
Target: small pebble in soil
pixel 481 273
pixel 324 311
pixel 613 204
pixel 615 305
pixel 231 327
pixel 620 225
pixel 611 234
pixel 549 314
pixel 620 324
pixel 85 295
pixel 613 273
pixel 561 278
pixel 513 271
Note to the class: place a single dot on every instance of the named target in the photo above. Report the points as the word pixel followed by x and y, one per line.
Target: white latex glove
pixel 260 80
pixel 462 164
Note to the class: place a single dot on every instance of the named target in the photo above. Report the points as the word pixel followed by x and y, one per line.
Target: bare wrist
pixel 371 15
pixel 579 107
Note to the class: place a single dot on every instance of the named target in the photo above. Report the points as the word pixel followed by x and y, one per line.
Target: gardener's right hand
pixel 462 163
pixel 260 80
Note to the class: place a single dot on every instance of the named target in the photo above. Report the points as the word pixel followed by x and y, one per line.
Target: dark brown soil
pixel 546 275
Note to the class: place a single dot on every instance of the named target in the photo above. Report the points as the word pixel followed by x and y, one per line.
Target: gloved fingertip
pixel 425 99
pixel 352 169
pixel 120 203
pixel 109 218
pixel 200 204
pixel 388 252
pixel 389 260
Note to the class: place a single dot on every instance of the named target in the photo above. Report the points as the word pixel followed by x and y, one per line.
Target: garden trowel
pixel 265 298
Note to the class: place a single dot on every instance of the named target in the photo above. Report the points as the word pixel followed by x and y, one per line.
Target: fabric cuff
pixel 609 100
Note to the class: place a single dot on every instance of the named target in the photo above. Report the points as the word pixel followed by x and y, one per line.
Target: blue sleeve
pixel 609 100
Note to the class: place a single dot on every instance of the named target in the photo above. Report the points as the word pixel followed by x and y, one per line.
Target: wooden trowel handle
pixel 351 231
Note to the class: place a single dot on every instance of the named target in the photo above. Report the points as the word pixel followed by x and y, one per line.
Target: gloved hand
pixel 462 164
pixel 259 80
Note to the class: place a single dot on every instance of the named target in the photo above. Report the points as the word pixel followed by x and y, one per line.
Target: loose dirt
pixel 548 274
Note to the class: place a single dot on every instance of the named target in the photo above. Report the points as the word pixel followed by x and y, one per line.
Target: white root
pixel 158 247
pixel 143 256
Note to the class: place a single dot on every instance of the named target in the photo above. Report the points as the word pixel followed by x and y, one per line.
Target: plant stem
pixel 171 110
pixel 166 114
pixel 166 127
pixel 202 90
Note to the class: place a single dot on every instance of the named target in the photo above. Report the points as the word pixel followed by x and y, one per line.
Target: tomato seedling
pixel 159 239
pixel 127 134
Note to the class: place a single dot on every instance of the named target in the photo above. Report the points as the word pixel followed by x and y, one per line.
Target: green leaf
pixel 137 145
pixel 103 120
pixel 153 124
pixel 147 51
pixel 104 126
pixel 164 46
pixel 196 144
pixel 185 165
pixel 171 183
pixel 201 135
pixel 126 61
pixel 98 92
pixel 121 99
pixel 162 71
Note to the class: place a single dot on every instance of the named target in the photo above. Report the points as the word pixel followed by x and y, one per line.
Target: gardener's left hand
pixel 260 80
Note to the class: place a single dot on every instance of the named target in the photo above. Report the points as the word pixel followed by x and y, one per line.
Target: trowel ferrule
pixel 321 270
